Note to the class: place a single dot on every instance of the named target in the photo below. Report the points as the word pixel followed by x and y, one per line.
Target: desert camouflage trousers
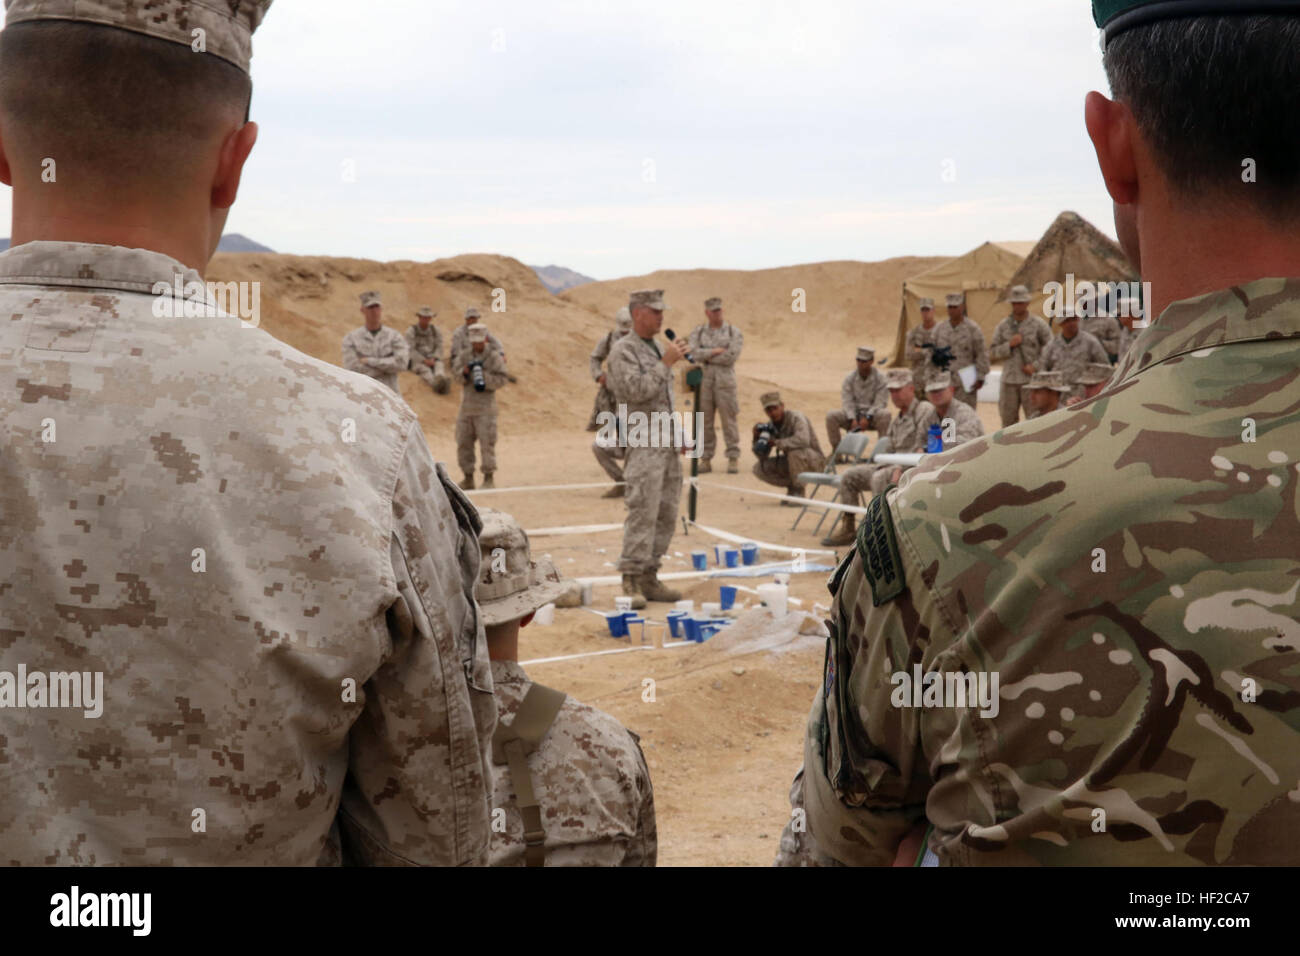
pixel 718 398
pixel 653 493
pixel 609 458
pixel 480 426
pixel 436 377
pixel 837 423
pixel 858 480
pixel 782 470
pixel 604 403
pixel 1011 401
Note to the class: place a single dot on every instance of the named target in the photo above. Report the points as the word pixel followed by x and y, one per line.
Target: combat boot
pixel 706 467
pixel 847 533
pixel 632 589
pixel 615 492
pixel 467 483
pixel 733 466
pixel 487 479
pixel 654 589
pixel 793 492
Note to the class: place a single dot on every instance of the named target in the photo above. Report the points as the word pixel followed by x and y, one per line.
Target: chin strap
pixel 511 744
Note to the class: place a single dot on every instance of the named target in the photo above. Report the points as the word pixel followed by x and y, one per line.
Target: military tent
pixel 1071 247
pixel 982 274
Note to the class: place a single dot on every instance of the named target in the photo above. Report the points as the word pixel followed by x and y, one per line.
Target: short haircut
pixel 112 101
pixel 1209 93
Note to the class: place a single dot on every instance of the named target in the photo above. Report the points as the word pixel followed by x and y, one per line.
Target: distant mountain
pixel 558 278
pixel 231 242
pixel 234 242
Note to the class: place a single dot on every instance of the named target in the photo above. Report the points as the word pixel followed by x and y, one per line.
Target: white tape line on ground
pixel 737 539
pixel 812 503
pixel 574 657
pixel 573 529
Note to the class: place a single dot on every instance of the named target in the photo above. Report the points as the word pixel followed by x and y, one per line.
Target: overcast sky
pixel 616 137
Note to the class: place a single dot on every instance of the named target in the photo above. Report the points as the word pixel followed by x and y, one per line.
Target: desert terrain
pixel 723 734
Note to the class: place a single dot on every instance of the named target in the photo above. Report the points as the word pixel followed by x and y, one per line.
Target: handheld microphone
pixel 671 336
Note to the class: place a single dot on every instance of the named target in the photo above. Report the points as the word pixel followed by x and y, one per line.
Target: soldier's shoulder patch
pixel 837 577
pixel 878 545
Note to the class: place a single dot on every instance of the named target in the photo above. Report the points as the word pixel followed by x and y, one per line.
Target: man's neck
pixel 1185 254
pixel 715 325
pixel 183 236
pixel 942 412
pixel 955 322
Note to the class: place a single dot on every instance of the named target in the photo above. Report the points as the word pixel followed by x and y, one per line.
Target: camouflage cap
pixel 927 304
pixel 1053 380
pixel 623 319
pixel 225 29
pixel 938 381
pixel 1020 293
pixel 866 353
pixel 770 398
pixel 425 312
pixel 711 304
pixel 370 298
pixel 1095 373
pixel 471 313
pixel 1116 16
pixel 955 299
pixel 898 378
pixel 511 583
pixel 649 298
pixel 478 332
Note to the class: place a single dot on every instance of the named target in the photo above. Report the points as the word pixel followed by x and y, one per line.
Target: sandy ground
pixel 722 746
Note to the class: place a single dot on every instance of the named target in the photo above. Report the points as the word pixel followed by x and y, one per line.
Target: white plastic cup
pixel 623 602
pixel 776 597
pixel 545 615
pixel 687 605
pixel 711 608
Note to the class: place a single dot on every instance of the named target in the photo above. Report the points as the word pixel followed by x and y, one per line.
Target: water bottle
pixel 934 441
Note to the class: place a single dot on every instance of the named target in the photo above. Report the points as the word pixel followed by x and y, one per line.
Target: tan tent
pixel 1072 246
pixel 983 274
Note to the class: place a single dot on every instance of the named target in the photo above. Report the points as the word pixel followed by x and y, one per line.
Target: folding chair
pixel 852 446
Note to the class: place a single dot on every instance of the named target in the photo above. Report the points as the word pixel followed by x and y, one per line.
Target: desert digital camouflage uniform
pixel 860 397
pixel 1070 357
pixel 644 384
pixel 425 344
pixel 718 390
pixel 460 343
pixel 1106 329
pixel 965 424
pixel 605 401
pixel 333 550
pixel 967 343
pixel 1036 335
pixel 918 356
pixel 386 349
pixel 592 780
pixel 797 451
pixel 477 418
pixel 1163 690
pixel 907 435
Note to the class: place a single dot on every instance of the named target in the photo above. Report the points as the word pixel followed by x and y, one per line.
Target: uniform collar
pixel 1252 312
pixel 85 265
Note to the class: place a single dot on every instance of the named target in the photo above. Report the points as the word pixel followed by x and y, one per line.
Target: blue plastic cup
pixel 691 628
pixel 728 597
pixel 618 623
pixel 732 556
pixel 700 560
pixel 707 631
pixel 675 622
pixel 717 555
pixel 749 553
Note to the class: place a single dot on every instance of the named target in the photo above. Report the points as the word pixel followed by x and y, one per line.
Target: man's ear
pixel 230 166
pixel 1113 132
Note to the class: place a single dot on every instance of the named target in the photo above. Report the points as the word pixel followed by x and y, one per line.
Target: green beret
pixel 1116 16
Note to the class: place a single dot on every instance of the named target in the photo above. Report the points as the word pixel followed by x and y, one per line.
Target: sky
pixel 620 137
